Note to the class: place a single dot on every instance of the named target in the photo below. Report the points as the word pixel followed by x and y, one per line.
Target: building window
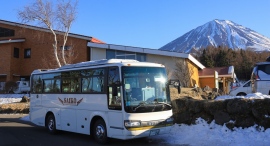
pixel 16 53
pixel 4 32
pixel 110 54
pixel 27 53
pixel 141 57
pixel 65 47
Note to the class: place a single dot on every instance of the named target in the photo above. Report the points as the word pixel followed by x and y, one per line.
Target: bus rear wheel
pixel 100 132
pixel 50 124
pixel 241 94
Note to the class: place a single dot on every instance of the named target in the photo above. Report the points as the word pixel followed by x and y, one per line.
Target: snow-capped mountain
pixel 219 33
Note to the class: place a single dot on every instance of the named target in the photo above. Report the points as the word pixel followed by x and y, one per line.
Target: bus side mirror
pixel 176 84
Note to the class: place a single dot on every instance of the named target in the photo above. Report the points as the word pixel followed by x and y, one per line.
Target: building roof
pixel 91 39
pixel 147 51
pixel 222 72
pixel 95 40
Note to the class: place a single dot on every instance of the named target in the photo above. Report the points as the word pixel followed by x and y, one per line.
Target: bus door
pixel 35 100
pixel 36 91
pixel 115 116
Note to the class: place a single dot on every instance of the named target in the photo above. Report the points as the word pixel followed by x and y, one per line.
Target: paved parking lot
pixel 16 132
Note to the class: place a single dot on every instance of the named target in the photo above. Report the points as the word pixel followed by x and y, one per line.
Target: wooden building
pixel 222 80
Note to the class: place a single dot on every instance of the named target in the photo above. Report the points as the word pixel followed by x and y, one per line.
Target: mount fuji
pixel 219 33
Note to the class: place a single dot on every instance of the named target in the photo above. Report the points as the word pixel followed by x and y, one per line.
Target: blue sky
pixel 154 23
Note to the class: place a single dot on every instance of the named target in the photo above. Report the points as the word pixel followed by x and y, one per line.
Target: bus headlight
pixel 132 123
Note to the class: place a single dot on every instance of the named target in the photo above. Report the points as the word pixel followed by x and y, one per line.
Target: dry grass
pixel 13 108
pixel 185 92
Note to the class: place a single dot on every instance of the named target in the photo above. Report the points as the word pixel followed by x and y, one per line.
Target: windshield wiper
pixel 140 105
pixel 163 103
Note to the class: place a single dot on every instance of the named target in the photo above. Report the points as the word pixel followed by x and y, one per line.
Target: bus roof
pixel 101 62
pixel 96 62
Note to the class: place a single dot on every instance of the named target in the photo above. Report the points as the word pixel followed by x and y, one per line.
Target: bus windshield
pixel 145 89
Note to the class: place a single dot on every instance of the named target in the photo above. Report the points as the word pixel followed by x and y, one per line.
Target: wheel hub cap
pixel 100 132
pixel 51 124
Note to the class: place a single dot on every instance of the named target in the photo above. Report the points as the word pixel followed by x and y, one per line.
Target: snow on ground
pixel 203 134
pixel 26 118
pixel 248 96
pixel 9 98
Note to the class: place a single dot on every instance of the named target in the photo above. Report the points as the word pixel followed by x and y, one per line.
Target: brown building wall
pixel 4 59
pixel 14 70
pixel 207 82
pixel 40 43
pixel 194 72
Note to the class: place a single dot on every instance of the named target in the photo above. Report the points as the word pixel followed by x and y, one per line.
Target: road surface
pixel 16 132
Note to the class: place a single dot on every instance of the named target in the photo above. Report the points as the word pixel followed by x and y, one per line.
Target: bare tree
pixel 70 54
pixel 57 19
pixel 183 72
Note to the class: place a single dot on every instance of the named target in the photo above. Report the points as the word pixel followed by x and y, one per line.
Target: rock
pixel 239 106
pixel 221 117
pixel 213 106
pixel 231 112
pixel 204 115
pixel 25 99
pixel 230 125
pixel 265 123
pixel 195 106
pixel 259 113
pixel 244 121
pixel 183 117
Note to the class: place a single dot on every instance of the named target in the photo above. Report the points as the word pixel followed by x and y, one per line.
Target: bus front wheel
pixel 50 124
pixel 100 132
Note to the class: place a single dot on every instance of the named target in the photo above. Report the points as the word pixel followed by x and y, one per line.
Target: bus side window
pixel 51 86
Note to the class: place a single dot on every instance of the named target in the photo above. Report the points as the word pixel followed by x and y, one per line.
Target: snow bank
pixel 9 98
pixel 203 134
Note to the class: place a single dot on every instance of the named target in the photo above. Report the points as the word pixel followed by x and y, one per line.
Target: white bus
pixel 114 98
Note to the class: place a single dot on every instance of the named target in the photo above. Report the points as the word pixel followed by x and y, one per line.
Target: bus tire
pixel 241 94
pixel 100 132
pixel 50 124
